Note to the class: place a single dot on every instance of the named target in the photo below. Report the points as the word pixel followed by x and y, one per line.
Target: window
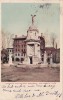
pixel 48 54
pixel 22 46
pixel 10 50
pixel 35 33
pixel 18 50
pixel 15 54
pixel 18 54
pixel 18 45
pixel 38 45
pixel 42 59
pixel 24 54
pixel 22 50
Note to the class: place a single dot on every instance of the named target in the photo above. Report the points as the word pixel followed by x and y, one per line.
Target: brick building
pixel 42 47
pixel 55 54
pixel 19 48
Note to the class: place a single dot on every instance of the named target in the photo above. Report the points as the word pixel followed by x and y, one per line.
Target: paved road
pixel 26 74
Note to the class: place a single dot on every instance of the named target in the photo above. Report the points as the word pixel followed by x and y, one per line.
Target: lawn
pixel 30 74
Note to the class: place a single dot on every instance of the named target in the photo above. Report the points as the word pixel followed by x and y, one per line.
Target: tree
pixel 9 39
pixel 53 39
pixel 4 55
pixel 6 39
pixel 3 38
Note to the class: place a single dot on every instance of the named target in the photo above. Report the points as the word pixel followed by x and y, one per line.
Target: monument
pixel 32 44
pixel 10 59
pixel 45 57
pixel 51 62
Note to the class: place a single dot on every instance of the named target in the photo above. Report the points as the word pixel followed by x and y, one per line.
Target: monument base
pixel 32 60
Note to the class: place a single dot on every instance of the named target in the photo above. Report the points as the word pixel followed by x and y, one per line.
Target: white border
pixel 59 84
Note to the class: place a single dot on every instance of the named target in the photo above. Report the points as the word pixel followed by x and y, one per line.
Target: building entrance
pixel 31 60
pixel 17 59
pixel 48 60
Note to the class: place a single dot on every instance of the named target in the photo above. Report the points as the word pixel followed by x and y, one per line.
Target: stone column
pixel 45 58
pixel 39 52
pixel 10 58
pixel 26 49
pixel 35 49
pixel 51 59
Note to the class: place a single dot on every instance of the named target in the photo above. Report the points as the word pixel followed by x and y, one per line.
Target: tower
pixel 33 44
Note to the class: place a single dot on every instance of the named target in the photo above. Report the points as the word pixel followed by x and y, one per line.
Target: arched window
pixel 18 54
pixel 35 33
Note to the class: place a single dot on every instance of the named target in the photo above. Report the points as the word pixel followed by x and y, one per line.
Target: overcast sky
pixel 16 18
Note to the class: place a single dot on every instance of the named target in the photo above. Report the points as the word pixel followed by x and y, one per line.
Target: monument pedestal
pixel 51 62
pixel 45 58
pixel 10 59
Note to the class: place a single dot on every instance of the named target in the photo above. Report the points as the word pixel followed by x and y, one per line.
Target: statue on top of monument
pixel 33 18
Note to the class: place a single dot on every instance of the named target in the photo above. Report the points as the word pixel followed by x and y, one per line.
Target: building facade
pixel 19 48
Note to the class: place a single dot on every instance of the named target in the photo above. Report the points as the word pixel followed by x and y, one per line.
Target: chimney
pixel 15 36
pixel 41 34
pixel 56 45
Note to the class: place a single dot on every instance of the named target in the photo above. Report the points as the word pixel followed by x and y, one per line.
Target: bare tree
pixel 53 39
pixel 3 39
pixel 6 39
pixel 9 39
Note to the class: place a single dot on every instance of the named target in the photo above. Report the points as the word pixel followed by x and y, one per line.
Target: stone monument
pixel 51 62
pixel 45 58
pixel 10 58
pixel 33 44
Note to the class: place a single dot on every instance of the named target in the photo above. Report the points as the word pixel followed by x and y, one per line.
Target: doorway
pixel 31 60
pixel 48 60
pixel 17 59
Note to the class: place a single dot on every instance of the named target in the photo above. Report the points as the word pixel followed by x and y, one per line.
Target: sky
pixel 16 18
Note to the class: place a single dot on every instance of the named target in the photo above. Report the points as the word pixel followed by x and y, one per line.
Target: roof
pixel 33 28
pixel 51 49
pixel 32 40
pixel 9 48
pixel 20 38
